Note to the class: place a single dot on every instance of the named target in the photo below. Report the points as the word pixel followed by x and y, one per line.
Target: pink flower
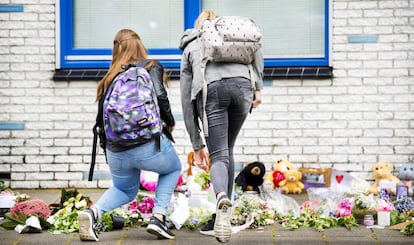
pixel 6 193
pixel 344 208
pixel 146 205
pixel 35 207
pixel 133 206
pixel 386 206
pixel 309 206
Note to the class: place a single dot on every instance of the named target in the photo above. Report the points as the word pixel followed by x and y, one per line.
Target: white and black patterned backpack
pixel 230 39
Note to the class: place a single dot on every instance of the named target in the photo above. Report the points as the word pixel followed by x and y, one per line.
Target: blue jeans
pixel 227 106
pixel 125 168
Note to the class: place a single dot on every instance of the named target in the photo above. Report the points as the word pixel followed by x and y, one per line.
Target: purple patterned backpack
pixel 130 108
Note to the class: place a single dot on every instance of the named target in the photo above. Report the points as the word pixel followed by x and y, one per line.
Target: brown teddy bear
pixel 291 183
pixel 382 171
pixel 273 179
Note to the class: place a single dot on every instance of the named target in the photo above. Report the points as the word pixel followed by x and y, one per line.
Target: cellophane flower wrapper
pixel 180 212
pixel 280 203
pixel 324 201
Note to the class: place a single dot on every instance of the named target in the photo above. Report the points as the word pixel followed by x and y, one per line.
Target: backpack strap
pixel 157 136
pixel 97 131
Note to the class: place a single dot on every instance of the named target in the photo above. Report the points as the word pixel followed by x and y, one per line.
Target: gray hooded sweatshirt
pixel 191 81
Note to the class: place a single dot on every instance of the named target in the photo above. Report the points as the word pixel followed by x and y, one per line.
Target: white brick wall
pixel 362 115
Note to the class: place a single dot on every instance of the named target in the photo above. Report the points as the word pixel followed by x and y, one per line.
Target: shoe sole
pixel 157 231
pixel 207 233
pixel 85 228
pixel 222 227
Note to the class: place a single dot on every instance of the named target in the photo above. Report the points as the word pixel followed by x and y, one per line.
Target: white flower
pixel 81 204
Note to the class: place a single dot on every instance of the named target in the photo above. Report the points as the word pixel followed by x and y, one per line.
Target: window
pixel 295 32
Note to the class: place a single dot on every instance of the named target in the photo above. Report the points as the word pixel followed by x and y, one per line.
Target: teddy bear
pixel 382 173
pixel 292 182
pixel 406 175
pixel 251 176
pixel 273 179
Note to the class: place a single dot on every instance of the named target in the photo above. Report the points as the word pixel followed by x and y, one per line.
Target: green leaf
pixel 20 219
pixel 106 220
pixel 8 225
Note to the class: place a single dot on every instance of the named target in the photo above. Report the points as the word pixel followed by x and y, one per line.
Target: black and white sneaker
pixel 159 228
pixel 87 225
pixel 222 226
pixel 208 229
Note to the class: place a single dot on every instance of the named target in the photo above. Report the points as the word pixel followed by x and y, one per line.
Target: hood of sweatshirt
pixel 188 36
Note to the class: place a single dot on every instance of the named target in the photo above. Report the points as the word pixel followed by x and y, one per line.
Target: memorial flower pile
pixel 322 211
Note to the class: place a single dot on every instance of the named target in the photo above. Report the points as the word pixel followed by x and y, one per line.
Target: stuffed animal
pixel 273 179
pixel 406 175
pixel 382 172
pixel 251 177
pixel 292 182
pixel 190 161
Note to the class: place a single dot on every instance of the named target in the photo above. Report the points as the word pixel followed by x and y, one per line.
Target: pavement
pixel 270 234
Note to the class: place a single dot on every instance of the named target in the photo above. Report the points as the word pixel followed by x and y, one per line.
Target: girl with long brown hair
pixel 126 163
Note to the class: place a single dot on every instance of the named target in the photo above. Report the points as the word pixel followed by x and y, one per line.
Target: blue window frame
pixel 71 57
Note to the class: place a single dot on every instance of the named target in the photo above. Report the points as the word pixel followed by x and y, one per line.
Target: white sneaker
pixel 222 226
pixel 87 224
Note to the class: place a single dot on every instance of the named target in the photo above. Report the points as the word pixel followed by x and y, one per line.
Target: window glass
pixel 159 23
pixel 295 32
pixel 291 28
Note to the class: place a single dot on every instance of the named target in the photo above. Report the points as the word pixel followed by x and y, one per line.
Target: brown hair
pixel 205 15
pixel 128 49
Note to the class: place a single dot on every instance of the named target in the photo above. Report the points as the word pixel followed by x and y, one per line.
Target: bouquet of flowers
pixel 199 216
pixel 404 204
pixel 365 204
pixel 139 210
pixel 134 214
pixel 255 207
pixel 21 211
pixel 65 218
pixel 203 179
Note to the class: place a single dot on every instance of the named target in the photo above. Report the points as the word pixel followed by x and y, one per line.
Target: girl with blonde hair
pixel 230 97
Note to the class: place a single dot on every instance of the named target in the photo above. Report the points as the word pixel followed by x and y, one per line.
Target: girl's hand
pixel 257 99
pixel 201 159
